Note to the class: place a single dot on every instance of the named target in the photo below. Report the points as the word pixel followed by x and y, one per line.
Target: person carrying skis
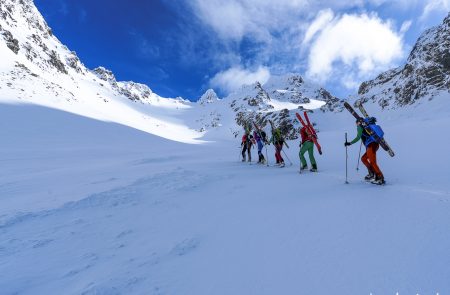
pixel 278 142
pixel 370 156
pixel 260 137
pixel 307 145
pixel 247 141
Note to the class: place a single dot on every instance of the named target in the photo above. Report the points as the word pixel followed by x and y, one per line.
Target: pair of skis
pixel 369 130
pixel 310 130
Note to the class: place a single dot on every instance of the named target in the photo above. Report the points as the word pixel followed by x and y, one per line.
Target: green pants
pixel 308 146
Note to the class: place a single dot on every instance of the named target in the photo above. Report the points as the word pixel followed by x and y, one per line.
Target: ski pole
pixel 346 160
pixel 287 157
pixel 267 158
pixel 359 156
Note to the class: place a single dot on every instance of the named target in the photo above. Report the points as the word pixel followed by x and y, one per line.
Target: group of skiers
pixel 308 140
pixel 259 138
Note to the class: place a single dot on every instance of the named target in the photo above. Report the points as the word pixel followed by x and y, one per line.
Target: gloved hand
pixel 347 143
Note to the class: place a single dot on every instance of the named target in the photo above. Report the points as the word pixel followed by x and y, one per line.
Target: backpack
pixel 370 122
pixel 263 135
pixel 377 130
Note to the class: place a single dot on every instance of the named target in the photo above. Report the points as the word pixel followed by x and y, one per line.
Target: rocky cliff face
pixel 425 75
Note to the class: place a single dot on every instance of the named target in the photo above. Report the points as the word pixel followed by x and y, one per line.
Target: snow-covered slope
pixel 36 68
pixel 92 207
pixel 425 76
pixel 86 212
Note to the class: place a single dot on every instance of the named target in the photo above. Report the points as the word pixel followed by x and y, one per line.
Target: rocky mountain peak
pixel 105 75
pixel 208 97
pixel 425 75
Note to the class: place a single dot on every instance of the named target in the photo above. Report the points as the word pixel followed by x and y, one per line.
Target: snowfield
pixel 108 188
pixel 91 207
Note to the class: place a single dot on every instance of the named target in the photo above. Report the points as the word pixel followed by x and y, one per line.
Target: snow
pixel 280 105
pixel 104 195
pixel 87 212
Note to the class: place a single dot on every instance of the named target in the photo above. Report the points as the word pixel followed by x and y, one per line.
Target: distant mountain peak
pixel 425 75
pixel 208 97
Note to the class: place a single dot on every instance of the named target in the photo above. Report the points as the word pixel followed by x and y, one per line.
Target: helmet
pixel 371 120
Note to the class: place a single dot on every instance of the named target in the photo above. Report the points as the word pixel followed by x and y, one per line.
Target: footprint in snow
pixel 42 243
pixel 185 247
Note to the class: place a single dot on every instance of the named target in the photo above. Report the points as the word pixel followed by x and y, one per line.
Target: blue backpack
pixel 375 128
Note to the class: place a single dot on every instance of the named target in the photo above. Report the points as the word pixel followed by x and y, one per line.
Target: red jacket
pixel 305 135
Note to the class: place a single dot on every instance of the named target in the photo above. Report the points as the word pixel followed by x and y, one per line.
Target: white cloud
pixel 435 6
pixel 234 19
pixel 363 44
pixel 323 18
pixel 233 78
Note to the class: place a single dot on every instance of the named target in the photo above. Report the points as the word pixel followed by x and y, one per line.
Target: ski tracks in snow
pixel 70 246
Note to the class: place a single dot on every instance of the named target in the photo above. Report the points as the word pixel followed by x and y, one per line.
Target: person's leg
pixel 260 154
pixel 277 158
pixel 301 154
pixel 280 148
pixel 365 161
pixel 372 155
pixel 311 155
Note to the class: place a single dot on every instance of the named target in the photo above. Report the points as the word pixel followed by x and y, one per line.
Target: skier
pixel 260 137
pixel 370 156
pixel 247 141
pixel 278 142
pixel 307 145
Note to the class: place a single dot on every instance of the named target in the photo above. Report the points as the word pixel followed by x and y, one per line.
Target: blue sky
pixel 182 48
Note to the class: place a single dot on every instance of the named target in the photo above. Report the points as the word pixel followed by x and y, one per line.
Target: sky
pixel 184 47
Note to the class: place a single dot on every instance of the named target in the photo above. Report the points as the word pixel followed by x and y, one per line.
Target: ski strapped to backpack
pixel 260 132
pixel 274 130
pixel 373 130
pixel 310 130
pixel 366 115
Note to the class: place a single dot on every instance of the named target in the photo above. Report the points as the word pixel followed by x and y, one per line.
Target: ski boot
pixel 282 165
pixel 243 158
pixel 313 168
pixel 304 167
pixel 379 180
pixel 370 176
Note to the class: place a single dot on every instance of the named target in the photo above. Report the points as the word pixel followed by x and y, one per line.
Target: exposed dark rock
pixel 11 42
pixel 56 62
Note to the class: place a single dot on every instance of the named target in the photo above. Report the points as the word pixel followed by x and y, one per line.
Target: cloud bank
pixel 338 43
pixel 362 44
pixel 233 78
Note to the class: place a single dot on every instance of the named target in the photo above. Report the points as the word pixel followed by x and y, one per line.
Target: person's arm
pixel 358 136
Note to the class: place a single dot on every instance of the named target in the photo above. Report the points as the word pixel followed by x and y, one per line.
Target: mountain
pixel 425 75
pixel 208 97
pixel 36 68
pixel 278 100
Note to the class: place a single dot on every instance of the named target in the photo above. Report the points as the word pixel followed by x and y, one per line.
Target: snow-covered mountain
pixel 278 100
pixel 425 75
pixel 37 68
